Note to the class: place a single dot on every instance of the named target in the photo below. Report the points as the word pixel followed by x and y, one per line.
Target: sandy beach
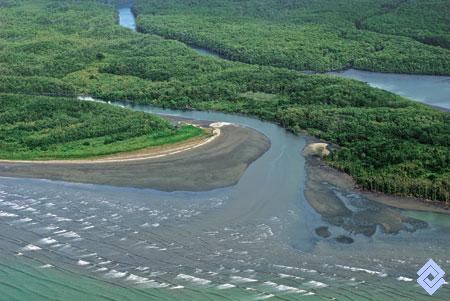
pixel 142 154
pixel 194 165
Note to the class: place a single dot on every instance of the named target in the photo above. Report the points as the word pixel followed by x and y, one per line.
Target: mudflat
pixel 333 195
pixel 218 163
pixel 319 172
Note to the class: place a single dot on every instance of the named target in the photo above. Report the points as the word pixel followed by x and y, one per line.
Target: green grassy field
pixel 387 143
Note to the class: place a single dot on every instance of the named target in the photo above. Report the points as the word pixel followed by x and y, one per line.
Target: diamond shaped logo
pixel 431 269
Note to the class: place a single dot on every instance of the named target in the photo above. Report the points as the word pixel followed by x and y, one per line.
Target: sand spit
pixel 218 161
pixel 143 154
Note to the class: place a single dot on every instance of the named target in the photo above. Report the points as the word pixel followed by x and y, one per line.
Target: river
pixel 252 241
pixel 429 89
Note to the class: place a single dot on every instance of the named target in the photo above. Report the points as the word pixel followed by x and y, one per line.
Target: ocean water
pixel 251 241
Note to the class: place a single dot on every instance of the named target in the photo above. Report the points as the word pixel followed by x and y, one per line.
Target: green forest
pixel 40 117
pixel 431 27
pixel 39 127
pixel 311 35
pixel 64 49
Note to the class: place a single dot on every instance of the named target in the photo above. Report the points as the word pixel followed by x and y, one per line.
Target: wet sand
pixel 257 236
pixel 333 195
pixel 218 163
pixel 319 173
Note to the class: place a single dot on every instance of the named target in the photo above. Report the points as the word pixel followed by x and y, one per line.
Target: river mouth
pixel 259 239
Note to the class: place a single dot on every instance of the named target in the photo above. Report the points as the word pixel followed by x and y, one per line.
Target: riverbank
pixel 143 154
pixel 319 172
pixel 41 128
pixel 207 165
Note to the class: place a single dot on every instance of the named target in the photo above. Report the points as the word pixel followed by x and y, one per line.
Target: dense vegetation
pixel 35 127
pixel 39 45
pixel 305 35
pixel 424 21
pixel 387 143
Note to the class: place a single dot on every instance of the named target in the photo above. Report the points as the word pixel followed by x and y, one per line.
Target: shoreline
pixel 326 173
pixel 137 155
pixel 216 164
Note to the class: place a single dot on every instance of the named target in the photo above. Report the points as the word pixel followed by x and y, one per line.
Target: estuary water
pixel 255 240
pixel 251 241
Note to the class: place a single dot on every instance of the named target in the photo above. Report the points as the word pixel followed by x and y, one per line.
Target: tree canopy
pixel 386 142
